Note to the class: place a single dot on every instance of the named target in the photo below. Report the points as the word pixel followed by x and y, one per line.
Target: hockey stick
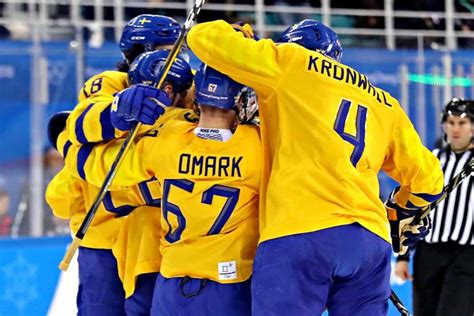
pixel 398 304
pixel 453 184
pixel 128 141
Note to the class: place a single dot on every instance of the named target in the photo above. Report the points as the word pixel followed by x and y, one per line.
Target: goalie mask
pixel 247 105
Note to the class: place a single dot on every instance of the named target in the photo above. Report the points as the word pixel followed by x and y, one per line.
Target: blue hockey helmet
pixel 146 69
pixel 146 31
pixel 313 35
pixel 216 89
pixel 56 124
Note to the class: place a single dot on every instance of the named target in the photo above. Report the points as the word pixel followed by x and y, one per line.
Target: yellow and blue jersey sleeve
pixel 89 122
pixel 103 85
pixel 70 198
pixel 92 162
pixel 260 73
pixel 326 133
pixel 412 165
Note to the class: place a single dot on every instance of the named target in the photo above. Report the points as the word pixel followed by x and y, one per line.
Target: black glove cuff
pixel 403 258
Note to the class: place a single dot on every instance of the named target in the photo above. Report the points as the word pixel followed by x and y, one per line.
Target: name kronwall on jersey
pixel 224 166
pixel 343 73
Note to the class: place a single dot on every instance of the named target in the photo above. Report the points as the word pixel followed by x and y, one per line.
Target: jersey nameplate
pixel 224 166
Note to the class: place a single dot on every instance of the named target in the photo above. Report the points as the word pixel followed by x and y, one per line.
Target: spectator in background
pixel 5 218
pixel 465 25
pixel 4 32
pixel 434 22
pixel 52 162
pixel 366 21
pixel 288 18
pixel 443 278
pixel 228 15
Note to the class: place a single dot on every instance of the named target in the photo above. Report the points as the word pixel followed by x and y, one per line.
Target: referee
pixel 443 264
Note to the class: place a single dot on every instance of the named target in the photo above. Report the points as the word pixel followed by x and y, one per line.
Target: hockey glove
pixel 139 103
pixel 246 29
pixel 56 124
pixel 404 231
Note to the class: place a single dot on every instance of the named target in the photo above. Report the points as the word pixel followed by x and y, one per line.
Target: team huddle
pixel 229 206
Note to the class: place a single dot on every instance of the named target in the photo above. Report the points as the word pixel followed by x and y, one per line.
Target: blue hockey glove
pixel 404 231
pixel 139 103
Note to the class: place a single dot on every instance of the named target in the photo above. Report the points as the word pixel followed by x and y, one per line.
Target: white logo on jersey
pixel 227 270
pixel 212 87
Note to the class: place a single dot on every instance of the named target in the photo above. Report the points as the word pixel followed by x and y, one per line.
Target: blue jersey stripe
pixel 82 156
pixel 66 147
pixel 121 210
pixel 81 136
pixel 108 130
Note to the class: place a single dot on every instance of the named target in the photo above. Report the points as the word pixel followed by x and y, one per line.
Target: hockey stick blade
pixel 128 142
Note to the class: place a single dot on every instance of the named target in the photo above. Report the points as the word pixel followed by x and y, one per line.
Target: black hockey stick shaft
pixel 453 184
pixel 129 140
pixel 398 304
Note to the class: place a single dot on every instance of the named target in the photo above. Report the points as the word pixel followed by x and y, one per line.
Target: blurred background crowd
pixel 426 15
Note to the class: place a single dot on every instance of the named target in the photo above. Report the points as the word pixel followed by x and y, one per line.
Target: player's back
pixel 210 202
pixel 327 139
pixel 326 132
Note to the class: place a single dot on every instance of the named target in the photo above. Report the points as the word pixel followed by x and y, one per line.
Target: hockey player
pixel 143 33
pixel 138 241
pixel 137 263
pixel 100 291
pixel 210 176
pixel 326 133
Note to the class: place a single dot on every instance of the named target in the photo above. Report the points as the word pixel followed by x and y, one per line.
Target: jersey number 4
pixel 358 141
pixel 232 195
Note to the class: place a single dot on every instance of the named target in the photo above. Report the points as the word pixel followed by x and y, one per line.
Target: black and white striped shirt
pixel 453 219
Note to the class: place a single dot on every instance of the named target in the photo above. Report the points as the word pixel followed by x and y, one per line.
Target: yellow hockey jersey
pixel 70 198
pixel 89 122
pixel 137 248
pixel 134 240
pixel 210 196
pixel 326 133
